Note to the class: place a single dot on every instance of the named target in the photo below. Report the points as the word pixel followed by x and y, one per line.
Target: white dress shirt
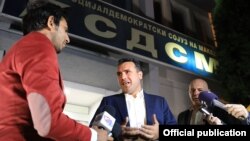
pixel 197 118
pixel 136 109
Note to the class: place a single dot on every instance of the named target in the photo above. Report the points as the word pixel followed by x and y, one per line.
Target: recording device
pixel 205 111
pixel 107 121
pixel 210 100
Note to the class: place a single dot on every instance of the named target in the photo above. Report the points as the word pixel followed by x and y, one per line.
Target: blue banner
pixel 106 24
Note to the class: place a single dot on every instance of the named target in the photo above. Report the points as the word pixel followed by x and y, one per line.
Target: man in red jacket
pixel 31 88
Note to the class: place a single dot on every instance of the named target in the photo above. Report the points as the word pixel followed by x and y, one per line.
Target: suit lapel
pixel 149 109
pixel 122 106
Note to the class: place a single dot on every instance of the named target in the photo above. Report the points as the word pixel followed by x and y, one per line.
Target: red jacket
pixel 31 67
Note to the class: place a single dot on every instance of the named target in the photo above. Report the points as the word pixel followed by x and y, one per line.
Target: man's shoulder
pixel 35 42
pixel 183 117
pixel 114 96
pixel 184 113
pixel 153 96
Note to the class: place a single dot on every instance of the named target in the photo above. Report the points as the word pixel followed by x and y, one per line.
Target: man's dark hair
pixel 136 62
pixel 38 13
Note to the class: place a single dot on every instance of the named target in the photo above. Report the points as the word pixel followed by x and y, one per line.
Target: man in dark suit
pixel 234 113
pixel 193 115
pixel 138 112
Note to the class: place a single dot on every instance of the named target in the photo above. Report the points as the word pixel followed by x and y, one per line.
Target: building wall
pixel 98 71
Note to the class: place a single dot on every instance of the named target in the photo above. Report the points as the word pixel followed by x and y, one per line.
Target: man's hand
pixel 102 135
pixel 129 132
pixel 150 132
pixel 237 110
pixel 212 120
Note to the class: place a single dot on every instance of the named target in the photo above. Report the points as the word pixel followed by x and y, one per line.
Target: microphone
pixel 204 111
pixel 211 100
pixel 107 121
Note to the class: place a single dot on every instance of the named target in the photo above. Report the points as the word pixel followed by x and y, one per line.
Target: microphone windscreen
pixel 109 109
pixel 207 97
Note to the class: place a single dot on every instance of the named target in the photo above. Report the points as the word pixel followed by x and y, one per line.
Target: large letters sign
pixel 119 29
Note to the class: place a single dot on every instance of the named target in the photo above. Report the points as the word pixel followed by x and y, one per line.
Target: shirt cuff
pixel 93 135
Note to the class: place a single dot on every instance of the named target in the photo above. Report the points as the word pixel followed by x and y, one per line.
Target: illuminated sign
pixel 120 29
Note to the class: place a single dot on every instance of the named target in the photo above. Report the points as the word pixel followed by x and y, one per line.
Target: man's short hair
pixel 136 62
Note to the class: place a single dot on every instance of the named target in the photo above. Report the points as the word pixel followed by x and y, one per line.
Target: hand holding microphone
pixel 211 100
pixel 106 120
pixel 212 120
pixel 237 110
pixel 102 135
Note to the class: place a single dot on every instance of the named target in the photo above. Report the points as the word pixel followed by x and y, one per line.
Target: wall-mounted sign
pixel 120 29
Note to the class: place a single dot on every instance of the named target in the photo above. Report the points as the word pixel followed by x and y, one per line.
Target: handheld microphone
pixel 204 111
pixel 105 119
pixel 211 100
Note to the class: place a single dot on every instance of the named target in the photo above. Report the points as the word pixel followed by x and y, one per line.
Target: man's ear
pixel 140 74
pixel 51 23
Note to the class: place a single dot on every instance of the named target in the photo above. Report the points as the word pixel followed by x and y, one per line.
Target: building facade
pixel 172 38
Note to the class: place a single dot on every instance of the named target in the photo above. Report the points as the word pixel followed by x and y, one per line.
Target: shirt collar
pixel 139 95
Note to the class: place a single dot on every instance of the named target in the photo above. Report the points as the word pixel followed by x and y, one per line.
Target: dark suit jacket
pixel 184 117
pixel 154 105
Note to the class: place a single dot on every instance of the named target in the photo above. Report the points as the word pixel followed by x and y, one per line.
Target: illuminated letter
pixel 148 44
pixel 170 49
pixel 201 62
pixel 90 22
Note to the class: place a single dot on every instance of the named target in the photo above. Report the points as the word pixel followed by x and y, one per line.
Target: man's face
pixel 60 37
pixel 195 88
pixel 129 78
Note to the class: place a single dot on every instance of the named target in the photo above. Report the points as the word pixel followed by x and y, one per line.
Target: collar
pixel 139 95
